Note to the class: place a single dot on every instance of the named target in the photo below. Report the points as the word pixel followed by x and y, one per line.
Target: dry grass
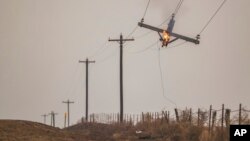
pixel 159 129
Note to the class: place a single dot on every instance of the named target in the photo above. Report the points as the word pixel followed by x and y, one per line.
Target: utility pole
pixel 121 41
pixel 44 118
pixel 68 102
pixel 87 85
pixel 52 113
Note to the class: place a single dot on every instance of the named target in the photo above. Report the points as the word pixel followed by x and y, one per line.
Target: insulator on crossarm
pixel 198 37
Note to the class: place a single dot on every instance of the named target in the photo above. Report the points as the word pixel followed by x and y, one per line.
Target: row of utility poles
pixel 164 37
pixel 53 114
pixel 121 41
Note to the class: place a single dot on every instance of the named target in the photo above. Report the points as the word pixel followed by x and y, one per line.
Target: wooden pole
pixel 209 120
pixel 176 114
pixel 121 41
pixel 87 86
pixel 240 108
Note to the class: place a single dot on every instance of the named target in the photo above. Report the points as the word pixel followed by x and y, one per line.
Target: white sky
pixel 41 42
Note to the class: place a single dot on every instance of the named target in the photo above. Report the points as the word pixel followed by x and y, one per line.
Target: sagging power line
pixel 218 9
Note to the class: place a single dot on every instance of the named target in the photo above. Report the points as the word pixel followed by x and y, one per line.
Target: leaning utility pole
pixel 68 102
pixel 87 85
pixel 121 41
pixel 44 118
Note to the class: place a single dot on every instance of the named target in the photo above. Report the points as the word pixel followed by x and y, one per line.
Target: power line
pixel 175 12
pixel 177 45
pixel 106 58
pixel 148 32
pixel 162 82
pixel 165 21
pixel 145 12
pixel 136 27
pixel 178 7
pixel 132 31
pixel 99 50
pixel 224 1
pixel 148 47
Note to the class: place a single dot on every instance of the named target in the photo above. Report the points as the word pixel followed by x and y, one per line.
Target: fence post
pixel 168 116
pixel 176 114
pixel 118 118
pixel 222 117
pixel 162 116
pixel 227 117
pixel 190 116
pixel 142 116
pixel 240 108
pixel 198 120
pixel 213 121
pixel 209 121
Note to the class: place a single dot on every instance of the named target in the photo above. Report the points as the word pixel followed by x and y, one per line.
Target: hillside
pixel 17 130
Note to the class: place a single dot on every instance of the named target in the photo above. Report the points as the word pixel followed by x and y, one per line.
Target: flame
pixel 166 36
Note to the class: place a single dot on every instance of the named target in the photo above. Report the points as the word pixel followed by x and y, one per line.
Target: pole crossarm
pixel 68 102
pixel 118 40
pixel 86 61
pixel 195 41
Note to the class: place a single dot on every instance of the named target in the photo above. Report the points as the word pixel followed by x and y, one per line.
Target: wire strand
pixel 162 82
pixel 136 27
pixel 145 12
pixel 99 50
pixel 178 7
pixel 107 57
pixel 218 9
pixel 145 49
pixel 141 19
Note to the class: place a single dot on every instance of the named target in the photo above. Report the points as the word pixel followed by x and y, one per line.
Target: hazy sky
pixel 41 42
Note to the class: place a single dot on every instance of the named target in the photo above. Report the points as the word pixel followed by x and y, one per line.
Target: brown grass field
pixel 188 127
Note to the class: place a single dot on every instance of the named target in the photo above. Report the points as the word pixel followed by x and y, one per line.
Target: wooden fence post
pixel 213 122
pixel 190 116
pixel 240 108
pixel 142 116
pixel 209 121
pixel 198 120
pixel 222 117
pixel 176 114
